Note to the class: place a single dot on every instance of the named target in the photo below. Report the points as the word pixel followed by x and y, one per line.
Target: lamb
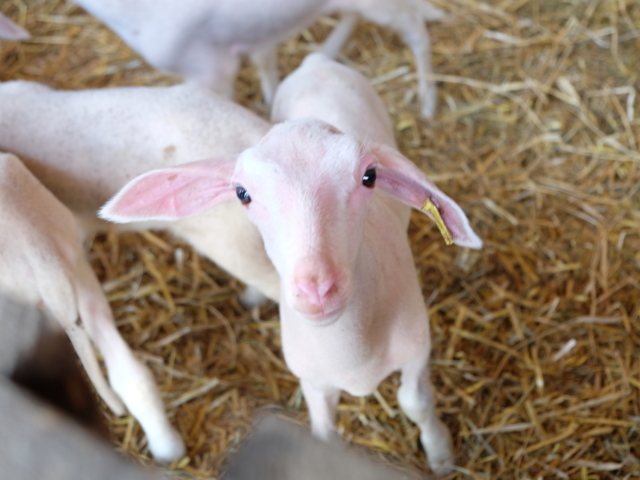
pixel 11 31
pixel 86 145
pixel 42 263
pixel 326 199
pixel 203 40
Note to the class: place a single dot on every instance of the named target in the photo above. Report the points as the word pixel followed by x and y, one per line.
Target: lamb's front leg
pixel 209 67
pixel 322 403
pixel 417 400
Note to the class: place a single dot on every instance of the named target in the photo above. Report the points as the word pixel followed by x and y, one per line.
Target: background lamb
pixel 85 145
pixel 203 41
pixel 42 263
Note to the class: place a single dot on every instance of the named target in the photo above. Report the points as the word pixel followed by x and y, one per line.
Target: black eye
pixel 243 195
pixel 369 178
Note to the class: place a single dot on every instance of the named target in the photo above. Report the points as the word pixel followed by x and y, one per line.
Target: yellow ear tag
pixel 433 210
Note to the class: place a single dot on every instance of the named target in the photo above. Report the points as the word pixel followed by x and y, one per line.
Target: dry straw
pixel 536 338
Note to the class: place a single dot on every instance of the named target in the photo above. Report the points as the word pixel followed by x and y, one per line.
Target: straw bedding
pixel 536 338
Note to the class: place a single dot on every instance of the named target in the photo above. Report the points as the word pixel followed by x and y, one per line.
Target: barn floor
pixel 536 338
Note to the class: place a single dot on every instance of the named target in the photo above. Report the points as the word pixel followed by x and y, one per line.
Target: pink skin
pixel 202 40
pixel 317 287
pixel 11 31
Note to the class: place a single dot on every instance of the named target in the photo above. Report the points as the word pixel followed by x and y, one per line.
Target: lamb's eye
pixel 243 195
pixel 369 178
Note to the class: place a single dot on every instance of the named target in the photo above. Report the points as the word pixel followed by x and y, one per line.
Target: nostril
pixel 326 288
pixel 307 288
pixel 317 283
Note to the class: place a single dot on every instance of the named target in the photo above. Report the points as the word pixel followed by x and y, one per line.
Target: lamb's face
pixel 307 188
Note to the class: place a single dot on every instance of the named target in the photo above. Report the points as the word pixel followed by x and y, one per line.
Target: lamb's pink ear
pixel 401 179
pixel 173 193
pixel 11 31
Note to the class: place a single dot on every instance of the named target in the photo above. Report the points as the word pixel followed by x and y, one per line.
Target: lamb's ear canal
pixel 401 179
pixel 173 193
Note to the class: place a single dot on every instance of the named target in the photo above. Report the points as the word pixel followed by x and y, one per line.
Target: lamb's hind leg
pixel 130 379
pixel 417 400
pixel 340 34
pixel 266 61
pixel 407 17
pixel 84 349
pixel 415 34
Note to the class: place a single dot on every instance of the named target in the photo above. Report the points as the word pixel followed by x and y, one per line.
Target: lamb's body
pixel 85 145
pixel 202 40
pixel 377 337
pixel 42 264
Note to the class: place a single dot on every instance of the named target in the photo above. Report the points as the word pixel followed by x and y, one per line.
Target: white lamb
pixel 203 40
pixel 42 264
pixel 325 199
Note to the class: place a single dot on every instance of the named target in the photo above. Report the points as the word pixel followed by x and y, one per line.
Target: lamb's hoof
pixel 168 448
pixel 252 297
pixel 440 456
pixel 440 470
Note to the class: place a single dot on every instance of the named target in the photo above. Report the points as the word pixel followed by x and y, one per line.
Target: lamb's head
pixel 308 188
